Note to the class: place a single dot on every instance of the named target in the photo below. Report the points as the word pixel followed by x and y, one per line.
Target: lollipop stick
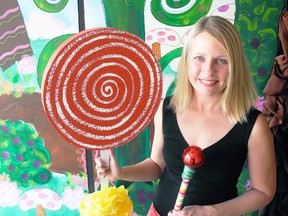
pixel 105 158
pixel 186 177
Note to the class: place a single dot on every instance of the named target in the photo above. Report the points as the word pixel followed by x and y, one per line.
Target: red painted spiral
pixel 101 88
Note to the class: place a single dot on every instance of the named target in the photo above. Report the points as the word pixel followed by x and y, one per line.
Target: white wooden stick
pixel 105 158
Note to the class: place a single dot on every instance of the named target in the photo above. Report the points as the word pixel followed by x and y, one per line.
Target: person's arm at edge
pixel 262 170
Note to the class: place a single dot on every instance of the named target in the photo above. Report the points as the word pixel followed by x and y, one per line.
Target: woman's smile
pixel 207 82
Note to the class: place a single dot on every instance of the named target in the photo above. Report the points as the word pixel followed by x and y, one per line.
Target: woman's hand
pixel 112 169
pixel 195 211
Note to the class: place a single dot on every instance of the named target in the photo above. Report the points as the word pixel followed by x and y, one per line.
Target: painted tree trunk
pixel 40 211
pixel 128 15
pixel 125 15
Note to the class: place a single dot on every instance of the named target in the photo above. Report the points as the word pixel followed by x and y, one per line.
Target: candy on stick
pixel 193 158
pixel 100 89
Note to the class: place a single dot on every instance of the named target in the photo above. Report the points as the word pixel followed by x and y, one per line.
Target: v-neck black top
pixel 216 179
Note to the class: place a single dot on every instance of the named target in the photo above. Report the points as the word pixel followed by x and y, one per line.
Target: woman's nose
pixel 208 67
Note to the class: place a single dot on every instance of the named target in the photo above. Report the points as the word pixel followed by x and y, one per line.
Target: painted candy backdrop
pixel 34 159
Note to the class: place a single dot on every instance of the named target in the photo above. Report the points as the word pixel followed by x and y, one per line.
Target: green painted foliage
pixel 22 154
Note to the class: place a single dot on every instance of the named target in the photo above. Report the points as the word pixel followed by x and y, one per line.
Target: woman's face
pixel 208 68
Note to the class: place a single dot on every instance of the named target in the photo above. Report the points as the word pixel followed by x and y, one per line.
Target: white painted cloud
pixel 94 14
pixel 46 26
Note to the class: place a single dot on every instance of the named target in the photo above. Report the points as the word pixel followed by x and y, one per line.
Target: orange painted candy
pixel 101 88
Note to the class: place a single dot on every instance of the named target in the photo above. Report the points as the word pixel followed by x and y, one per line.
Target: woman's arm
pixel 147 170
pixel 262 170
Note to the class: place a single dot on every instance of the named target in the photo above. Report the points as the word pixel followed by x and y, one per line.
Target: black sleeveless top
pixel 213 182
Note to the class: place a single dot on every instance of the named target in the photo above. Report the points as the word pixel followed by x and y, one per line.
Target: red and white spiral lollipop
pixel 193 158
pixel 101 88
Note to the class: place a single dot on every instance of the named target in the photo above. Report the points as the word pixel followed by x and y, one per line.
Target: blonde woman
pixel 212 108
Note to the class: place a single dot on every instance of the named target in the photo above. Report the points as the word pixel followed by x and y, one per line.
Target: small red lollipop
pixel 193 158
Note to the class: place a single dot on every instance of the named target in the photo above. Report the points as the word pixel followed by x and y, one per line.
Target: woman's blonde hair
pixel 240 93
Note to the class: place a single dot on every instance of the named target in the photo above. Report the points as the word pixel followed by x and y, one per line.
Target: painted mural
pixel 35 161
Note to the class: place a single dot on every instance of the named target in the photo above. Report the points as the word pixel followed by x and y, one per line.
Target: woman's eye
pixel 221 61
pixel 199 58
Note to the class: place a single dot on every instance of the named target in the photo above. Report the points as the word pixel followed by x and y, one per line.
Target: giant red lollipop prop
pixel 101 88
pixel 193 158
